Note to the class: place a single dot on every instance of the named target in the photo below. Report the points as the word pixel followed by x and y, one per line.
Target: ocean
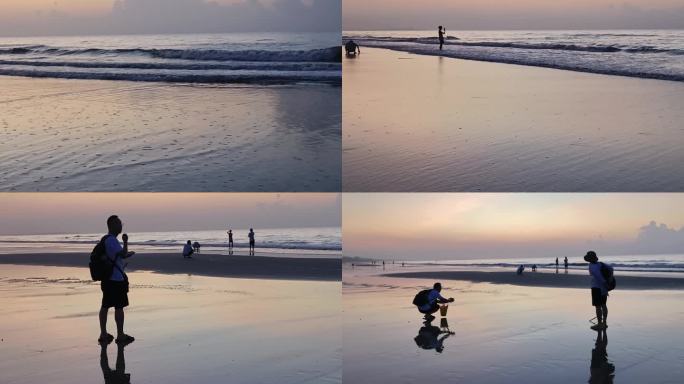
pixel 246 58
pixel 299 242
pixel 671 265
pixel 655 54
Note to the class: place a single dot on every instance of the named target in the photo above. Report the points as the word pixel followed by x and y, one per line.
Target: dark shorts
pixel 597 298
pixel 114 294
pixel 432 309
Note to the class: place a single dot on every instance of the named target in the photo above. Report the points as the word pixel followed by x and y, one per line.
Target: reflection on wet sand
pixel 117 375
pixel 602 371
pixel 429 335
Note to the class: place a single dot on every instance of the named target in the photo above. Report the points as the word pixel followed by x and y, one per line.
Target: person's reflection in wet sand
pixel 429 336
pixel 602 371
pixel 118 375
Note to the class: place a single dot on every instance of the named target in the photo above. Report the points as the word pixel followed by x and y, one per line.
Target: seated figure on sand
pixel 352 48
pixel 187 250
pixel 428 301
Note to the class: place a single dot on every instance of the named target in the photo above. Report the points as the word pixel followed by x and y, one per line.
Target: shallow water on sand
pixel 77 135
pixel 187 329
pixel 421 123
pixel 505 334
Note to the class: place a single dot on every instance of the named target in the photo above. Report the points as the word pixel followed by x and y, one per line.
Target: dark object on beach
pixel 534 267
pixel 351 48
pixel 101 267
pixel 607 273
pixel 421 297
pixel 520 269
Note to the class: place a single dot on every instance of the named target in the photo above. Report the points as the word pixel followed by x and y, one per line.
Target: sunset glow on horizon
pixel 447 225
pixel 36 213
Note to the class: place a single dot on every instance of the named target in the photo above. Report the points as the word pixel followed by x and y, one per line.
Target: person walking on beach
pixel 196 246
pixel 556 263
pixel 599 288
pixel 428 301
pixel 441 31
pixel 251 242
pixel 187 250
pixel 566 262
pixel 230 239
pixel 115 287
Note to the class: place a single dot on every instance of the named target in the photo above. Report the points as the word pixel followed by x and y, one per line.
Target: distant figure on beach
pixel 352 48
pixel 251 242
pixel 187 250
pixel 428 301
pixel 115 287
pixel 117 375
pixel 566 262
pixel 556 262
pixel 520 269
pixel 601 283
pixel 441 31
pixel 230 238
pixel 196 246
pixel 601 370
pixel 534 267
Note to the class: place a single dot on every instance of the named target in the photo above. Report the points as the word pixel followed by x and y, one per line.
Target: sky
pixel 471 226
pixel 97 17
pixel 55 213
pixel 508 14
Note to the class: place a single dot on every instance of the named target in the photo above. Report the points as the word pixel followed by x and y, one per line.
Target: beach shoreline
pixel 203 264
pixel 544 279
pixel 424 123
pixel 157 137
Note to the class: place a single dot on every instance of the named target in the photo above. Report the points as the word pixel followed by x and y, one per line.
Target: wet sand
pixel 205 264
pixel 187 328
pixel 544 279
pixel 90 135
pixel 423 123
pixel 507 334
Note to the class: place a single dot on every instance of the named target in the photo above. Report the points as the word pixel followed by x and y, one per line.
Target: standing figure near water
pixel 428 301
pixel 441 31
pixel 599 289
pixel 230 238
pixel 115 287
pixel 566 262
pixel 251 242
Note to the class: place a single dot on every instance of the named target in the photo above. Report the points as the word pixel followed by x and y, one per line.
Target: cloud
pixel 184 16
pixel 659 238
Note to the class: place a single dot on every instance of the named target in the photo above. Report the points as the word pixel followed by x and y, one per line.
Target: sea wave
pixel 330 54
pixel 451 40
pixel 599 59
pixel 234 66
pixel 285 77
